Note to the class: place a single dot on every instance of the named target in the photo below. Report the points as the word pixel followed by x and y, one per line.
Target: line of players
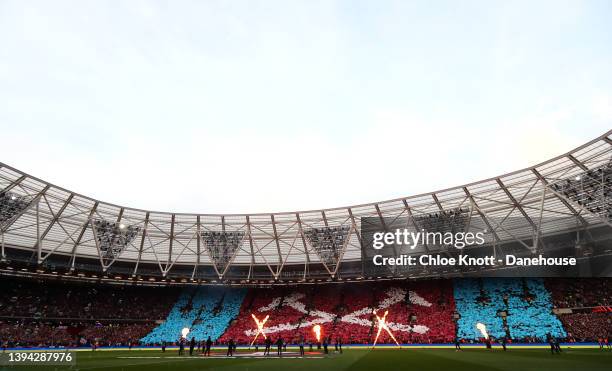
pixel 281 345
pixel 204 347
pixel 555 345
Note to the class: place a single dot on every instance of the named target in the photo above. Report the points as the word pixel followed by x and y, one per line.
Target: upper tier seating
pixel 42 299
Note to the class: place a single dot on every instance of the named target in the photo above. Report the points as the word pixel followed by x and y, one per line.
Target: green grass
pixel 362 359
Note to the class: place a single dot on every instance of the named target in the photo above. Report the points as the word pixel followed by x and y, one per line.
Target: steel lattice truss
pixel 11 207
pixel 222 248
pixel 454 220
pixel 329 243
pixel 592 190
pixel 555 196
pixel 112 239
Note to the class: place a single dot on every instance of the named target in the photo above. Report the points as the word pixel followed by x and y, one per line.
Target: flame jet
pixel 185 332
pixel 317 331
pixel 483 329
pixel 260 327
pixel 382 325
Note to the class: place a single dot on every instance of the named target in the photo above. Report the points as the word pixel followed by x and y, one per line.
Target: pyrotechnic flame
pixel 483 329
pixel 382 325
pixel 317 331
pixel 260 327
pixel 184 332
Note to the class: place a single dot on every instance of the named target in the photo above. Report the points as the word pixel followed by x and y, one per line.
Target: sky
pixel 261 106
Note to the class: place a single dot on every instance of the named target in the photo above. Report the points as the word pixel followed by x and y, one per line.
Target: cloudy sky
pixel 254 106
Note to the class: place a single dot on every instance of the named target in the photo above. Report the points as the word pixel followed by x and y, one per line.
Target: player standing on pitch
pixel 268 346
pixel 181 346
pixel 279 344
pixel 208 346
pixel 301 342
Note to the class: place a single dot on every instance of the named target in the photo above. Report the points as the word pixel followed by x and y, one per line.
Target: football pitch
pixel 351 359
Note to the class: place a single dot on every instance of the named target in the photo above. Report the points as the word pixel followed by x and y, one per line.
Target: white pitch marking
pixel 219 357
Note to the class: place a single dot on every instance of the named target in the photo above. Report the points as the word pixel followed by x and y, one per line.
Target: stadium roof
pixel 55 222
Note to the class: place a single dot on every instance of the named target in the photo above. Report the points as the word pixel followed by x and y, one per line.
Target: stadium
pixel 331 185
pixel 79 273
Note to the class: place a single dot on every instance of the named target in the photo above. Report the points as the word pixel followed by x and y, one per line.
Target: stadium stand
pixel 475 305
pixel 584 296
pixel 530 311
pixel 583 327
pixel 324 303
pixel 40 333
pixel 214 319
pixel 355 313
pixel 580 292
pixel 287 310
pixel 206 311
pixel 431 304
pixel 422 311
pixel 51 313
pixel 114 334
pixel 345 312
pixel 526 303
pixel 43 299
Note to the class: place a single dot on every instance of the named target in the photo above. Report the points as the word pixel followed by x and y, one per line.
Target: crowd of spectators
pixel 117 334
pixel 508 307
pixel 42 299
pixel 583 296
pixel 41 333
pixel 279 304
pixel 587 326
pixel 205 311
pixel 71 334
pixel 42 313
pixel 580 292
pixel 418 312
